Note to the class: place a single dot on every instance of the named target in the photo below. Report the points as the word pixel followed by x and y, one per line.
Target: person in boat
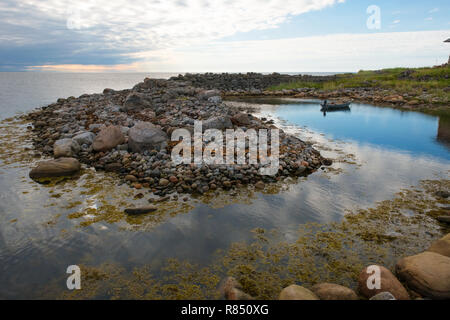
pixel 325 102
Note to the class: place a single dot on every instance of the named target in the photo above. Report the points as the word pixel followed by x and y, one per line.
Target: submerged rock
pixel 55 168
pixel 231 289
pixel 141 210
pixel 295 292
pixel 427 273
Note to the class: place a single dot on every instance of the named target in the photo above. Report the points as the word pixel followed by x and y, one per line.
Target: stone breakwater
pixel 256 84
pixel 253 83
pixel 128 132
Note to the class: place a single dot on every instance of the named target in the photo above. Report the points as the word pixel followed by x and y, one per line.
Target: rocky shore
pixel 129 132
pixel 255 84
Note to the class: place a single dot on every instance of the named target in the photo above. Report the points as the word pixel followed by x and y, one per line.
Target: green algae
pixel 333 252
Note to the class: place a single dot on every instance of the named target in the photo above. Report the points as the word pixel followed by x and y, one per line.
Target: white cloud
pixel 434 10
pixel 157 24
pixel 396 21
pixel 429 19
pixel 340 52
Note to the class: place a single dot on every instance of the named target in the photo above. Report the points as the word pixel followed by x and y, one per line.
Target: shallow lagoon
pixel 44 228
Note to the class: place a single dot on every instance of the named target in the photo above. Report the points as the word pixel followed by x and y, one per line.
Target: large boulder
pixel 136 101
pixel 388 282
pixel 65 148
pixel 55 168
pixel 441 246
pixel 86 138
pixel 331 291
pixel 295 292
pixel 427 273
pixel 221 123
pixel 146 136
pixel 108 138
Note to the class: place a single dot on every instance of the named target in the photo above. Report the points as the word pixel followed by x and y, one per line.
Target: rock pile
pixel 129 132
pixel 249 82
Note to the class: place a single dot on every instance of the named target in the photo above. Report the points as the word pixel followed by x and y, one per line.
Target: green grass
pixel 398 79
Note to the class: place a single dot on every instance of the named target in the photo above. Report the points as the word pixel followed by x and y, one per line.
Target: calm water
pixel 24 91
pixel 376 152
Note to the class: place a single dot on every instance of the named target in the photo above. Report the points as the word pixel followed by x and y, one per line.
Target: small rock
pixel 173 179
pixel 141 210
pixel 131 178
pixel 260 185
pixel 442 194
pixel 383 296
pixel 163 182
pixel 113 167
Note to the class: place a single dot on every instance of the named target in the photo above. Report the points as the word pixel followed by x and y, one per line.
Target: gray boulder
pixel 136 101
pixel 221 123
pixel 146 136
pixel 65 148
pixel 84 138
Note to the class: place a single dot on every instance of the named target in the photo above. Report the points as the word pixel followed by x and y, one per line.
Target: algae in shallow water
pixel 334 252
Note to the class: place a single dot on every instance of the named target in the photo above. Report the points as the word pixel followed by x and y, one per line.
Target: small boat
pixel 335 107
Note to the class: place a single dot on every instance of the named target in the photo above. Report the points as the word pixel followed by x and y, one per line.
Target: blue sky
pixel 220 35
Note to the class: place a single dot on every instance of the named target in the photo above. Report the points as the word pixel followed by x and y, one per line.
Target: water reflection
pixel 376 152
pixel 443 135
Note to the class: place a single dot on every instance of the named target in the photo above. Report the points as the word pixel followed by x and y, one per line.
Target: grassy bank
pixel 399 78
pixel 421 86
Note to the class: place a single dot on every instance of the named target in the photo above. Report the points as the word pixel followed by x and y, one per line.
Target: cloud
pixel 396 22
pixel 123 26
pixel 338 52
pixel 434 10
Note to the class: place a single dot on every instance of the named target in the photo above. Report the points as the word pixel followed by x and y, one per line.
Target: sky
pixel 222 35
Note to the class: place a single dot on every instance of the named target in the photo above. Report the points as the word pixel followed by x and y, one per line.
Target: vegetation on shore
pixel 426 85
